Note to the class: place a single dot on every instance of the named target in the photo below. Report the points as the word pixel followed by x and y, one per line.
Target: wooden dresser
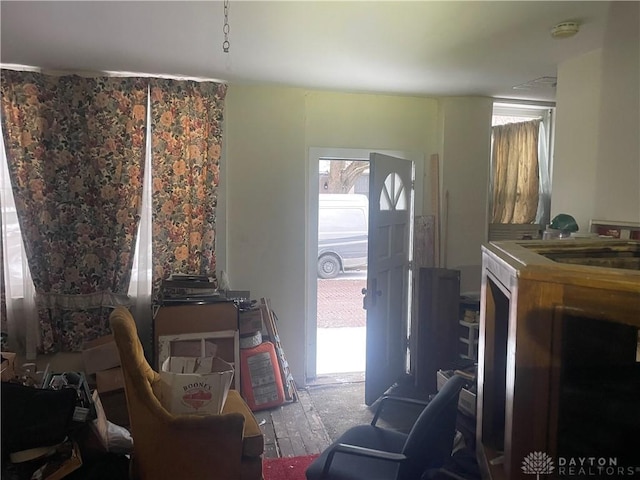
pixel 558 370
pixel 216 322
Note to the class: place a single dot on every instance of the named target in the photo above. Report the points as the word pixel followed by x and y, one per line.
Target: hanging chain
pixel 225 28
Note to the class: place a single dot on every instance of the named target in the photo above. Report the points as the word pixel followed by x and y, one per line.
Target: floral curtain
pixel 75 150
pixel 4 328
pixel 515 172
pixel 186 125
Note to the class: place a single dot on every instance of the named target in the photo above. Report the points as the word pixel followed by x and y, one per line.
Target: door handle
pixel 368 299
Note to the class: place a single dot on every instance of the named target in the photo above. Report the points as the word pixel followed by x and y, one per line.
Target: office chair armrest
pixel 387 398
pixel 361 452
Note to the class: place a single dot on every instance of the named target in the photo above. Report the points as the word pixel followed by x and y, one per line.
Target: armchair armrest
pixel 405 400
pixel 361 452
pixel 223 432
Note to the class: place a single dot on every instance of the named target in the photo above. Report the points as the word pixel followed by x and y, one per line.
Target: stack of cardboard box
pixel 102 369
pixel 7 368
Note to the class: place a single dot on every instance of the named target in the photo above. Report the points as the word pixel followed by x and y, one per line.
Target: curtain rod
pixel 108 73
pixel 515 101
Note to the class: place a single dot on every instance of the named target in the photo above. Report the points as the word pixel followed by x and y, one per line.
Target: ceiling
pixel 423 48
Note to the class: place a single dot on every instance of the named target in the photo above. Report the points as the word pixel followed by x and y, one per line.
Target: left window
pixel 14 258
pixel 20 329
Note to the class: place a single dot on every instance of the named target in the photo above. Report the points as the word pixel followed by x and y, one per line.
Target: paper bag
pixel 195 385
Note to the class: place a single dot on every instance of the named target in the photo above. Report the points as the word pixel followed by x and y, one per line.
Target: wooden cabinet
pixel 435 332
pixel 219 321
pixel 558 368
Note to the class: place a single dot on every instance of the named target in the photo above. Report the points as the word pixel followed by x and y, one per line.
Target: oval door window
pixel 393 195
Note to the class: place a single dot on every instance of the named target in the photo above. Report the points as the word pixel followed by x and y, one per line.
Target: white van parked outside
pixel 343 228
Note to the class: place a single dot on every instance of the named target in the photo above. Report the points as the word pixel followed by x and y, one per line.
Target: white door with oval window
pixel 386 297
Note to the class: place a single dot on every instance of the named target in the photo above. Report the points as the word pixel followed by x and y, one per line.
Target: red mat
pixel 286 468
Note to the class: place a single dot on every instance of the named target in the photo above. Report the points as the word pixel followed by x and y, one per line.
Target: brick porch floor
pixel 340 303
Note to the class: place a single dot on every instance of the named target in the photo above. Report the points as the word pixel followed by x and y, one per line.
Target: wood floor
pixel 293 429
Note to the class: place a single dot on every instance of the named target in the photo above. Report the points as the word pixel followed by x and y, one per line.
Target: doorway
pixel 343 213
pixel 341 347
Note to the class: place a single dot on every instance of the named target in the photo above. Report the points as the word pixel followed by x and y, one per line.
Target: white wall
pixel 268 134
pixel 596 170
pixel 466 144
pixel 576 145
pixel 617 190
pixel 266 160
pixel 372 122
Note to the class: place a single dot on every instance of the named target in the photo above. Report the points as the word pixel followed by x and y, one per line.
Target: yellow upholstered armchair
pixel 166 446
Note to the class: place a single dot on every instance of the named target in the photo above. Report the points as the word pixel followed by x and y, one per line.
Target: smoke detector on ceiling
pixel 565 30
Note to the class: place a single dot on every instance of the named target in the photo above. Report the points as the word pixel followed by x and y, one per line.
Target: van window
pixel 341 220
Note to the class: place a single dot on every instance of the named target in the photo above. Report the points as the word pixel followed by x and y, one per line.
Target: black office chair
pixel 369 452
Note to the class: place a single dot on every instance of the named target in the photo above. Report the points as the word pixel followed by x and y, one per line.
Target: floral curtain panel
pixel 515 172
pixel 75 150
pixel 4 328
pixel 186 144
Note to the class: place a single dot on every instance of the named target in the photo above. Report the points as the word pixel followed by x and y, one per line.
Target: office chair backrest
pixel 430 440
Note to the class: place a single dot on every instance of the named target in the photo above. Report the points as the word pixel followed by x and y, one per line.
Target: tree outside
pixel 340 176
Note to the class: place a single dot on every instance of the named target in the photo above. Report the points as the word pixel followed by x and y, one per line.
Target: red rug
pixel 286 468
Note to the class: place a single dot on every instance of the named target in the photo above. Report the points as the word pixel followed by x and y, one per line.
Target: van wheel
pixel 328 266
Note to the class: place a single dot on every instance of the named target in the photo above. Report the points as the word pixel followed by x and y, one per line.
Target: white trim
pixel 524 111
pixel 523 103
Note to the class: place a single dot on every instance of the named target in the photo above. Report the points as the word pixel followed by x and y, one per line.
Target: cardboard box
pixel 202 344
pixel 8 366
pixel 441 379
pixel 61 464
pixel 114 404
pixel 195 385
pixel 109 380
pixel 100 425
pixel 93 437
pixel 100 354
pixel 467 402
pixel 250 321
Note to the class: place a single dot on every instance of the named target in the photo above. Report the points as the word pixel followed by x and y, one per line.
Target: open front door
pixel 387 294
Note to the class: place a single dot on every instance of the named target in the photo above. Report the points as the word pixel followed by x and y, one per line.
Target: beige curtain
pixel 515 172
